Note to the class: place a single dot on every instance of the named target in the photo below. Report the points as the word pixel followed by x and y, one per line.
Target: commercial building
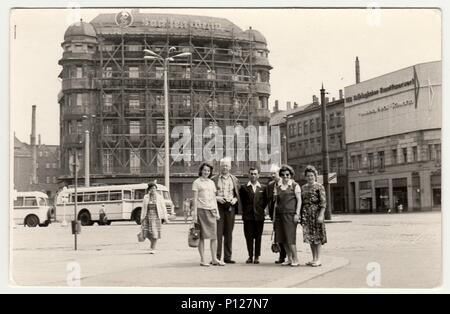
pixel 110 90
pixel 393 138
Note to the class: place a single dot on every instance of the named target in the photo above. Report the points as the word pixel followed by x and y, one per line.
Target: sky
pixel 307 47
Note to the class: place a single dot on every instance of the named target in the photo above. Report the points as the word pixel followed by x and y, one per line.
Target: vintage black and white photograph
pixel 226 147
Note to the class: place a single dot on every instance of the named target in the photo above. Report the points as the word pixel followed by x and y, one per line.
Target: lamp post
pixel 150 55
pixel 325 157
pixel 87 151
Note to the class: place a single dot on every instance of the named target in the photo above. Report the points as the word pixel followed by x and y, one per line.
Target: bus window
pixel 42 201
pixel 79 198
pixel 89 197
pixel 30 201
pixel 126 195
pixel 102 197
pixel 115 195
pixel 18 201
pixel 139 194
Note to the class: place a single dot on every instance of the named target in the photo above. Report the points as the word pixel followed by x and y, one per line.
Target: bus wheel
pixel 137 216
pixel 85 218
pixel 31 221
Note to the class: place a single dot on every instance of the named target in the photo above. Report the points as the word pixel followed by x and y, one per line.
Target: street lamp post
pixel 325 157
pixel 150 55
pixel 87 150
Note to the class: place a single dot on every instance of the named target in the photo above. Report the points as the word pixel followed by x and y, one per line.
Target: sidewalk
pixel 110 256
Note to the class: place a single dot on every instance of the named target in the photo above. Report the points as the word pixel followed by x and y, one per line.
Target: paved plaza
pixel 406 248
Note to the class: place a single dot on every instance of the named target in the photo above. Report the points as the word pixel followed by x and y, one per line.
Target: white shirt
pixel 254 186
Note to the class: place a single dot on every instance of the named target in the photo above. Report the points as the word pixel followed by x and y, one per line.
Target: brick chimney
pixel 341 94
pixel 276 108
pixel 357 70
pixel 288 105
pixel 295 105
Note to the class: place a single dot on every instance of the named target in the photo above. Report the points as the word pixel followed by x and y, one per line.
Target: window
pixel 318 125
pixel 339 141
pixel 115 195
pixel 437 148
pixel 102 196
pixel 107 161
pixel 405 155
pixel 370 161
pixel 159 73
pixel 187 73
pixel 187 101
pixel 47 180
pixel 331 120
pixel 79 127
pixel 126 195
pixel 312 146
pixel 300 147
pixel 108 47
pixel 135 161
pixel 134 47
pixel 133 72
pixel 365 185
pixel 430 152
pixel 107 102
pixel 55 165
pixel 358 161
pixel 89 197
pixel 353 162
pixel 305 127
pixel 414 153
pixel 338 119
pixel 299 128
pixel 306 146
pixel 135 129
pixel 40 153
pixel 79 72
pixel 311 126
pixel 211 75
pixel 54 180
pixel 79 99
pixel 107 72
pixel 134 105
pixel 319 144
pixel 332 140
pixel 394 156
pixel 291 130
pixel 381 159
pixel 30 201
pixel 333 165
pixel 18 201
pixel 47 165
pixel 160 128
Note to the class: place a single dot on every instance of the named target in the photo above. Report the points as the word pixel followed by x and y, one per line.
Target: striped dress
pixel 151 225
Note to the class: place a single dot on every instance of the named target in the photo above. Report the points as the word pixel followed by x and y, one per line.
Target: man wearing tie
pixel 254 202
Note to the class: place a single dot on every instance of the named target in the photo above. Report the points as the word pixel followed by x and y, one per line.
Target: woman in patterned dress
pixel 153 211
pixel 312 214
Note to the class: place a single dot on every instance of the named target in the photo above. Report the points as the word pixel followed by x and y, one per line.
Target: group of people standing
pixel 217 199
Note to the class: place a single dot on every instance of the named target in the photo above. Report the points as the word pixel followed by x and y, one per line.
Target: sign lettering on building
pixel 381 90
pixel 391 106
pixel 184 24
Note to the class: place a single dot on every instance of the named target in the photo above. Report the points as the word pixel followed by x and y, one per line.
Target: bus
pixel 31 209
pixel 117 202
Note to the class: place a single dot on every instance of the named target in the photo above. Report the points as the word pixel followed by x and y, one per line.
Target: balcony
pixel 73 139
pixel 77 83
pixel 73 111
pixel 261 88
pixel 242 87
pixel 261 61
pixel 262 114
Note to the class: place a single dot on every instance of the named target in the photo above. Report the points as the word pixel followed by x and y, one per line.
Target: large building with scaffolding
pixel 110 90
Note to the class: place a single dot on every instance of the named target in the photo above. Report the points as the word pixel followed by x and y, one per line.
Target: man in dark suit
pixel 229 203
pixel 270 193
pixel 254 200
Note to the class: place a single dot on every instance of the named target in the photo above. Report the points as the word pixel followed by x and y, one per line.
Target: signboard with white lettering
pixel 396 103
pixel 332 178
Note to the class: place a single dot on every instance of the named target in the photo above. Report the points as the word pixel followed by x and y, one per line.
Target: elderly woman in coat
pixel 152 214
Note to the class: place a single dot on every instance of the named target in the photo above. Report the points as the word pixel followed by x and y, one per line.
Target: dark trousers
pixel 225 227
pixel 282 251
pixel 253 232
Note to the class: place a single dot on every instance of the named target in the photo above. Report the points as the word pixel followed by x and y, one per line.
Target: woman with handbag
pixel 206 213
pixel 313 211
pixel 152 212
pixel 287 213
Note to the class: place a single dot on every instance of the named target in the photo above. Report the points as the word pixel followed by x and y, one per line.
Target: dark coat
pixel 270 198
pixel 253 204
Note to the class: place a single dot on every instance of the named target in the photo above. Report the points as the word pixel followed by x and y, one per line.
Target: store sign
pixel 381 90
pixel 391 106
pixel 183 24
pixel 365 193
pixel 332 178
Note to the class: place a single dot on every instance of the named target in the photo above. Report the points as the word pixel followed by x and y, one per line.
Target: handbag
pixel 141 237
pixel 275 247
pixel 194 235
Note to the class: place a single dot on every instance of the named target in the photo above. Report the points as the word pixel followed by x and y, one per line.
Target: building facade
pixel 110 90
pixel 47 172
pixel 304 133
pixel 393 136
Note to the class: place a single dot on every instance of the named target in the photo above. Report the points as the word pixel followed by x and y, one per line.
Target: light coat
pixel 160 207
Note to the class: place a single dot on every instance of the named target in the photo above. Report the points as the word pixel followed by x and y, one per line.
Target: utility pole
pixel 325 157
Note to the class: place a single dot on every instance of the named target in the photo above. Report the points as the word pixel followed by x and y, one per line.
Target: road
pixel 404 251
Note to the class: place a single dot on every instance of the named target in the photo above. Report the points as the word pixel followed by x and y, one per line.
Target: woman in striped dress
pixel 153 211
